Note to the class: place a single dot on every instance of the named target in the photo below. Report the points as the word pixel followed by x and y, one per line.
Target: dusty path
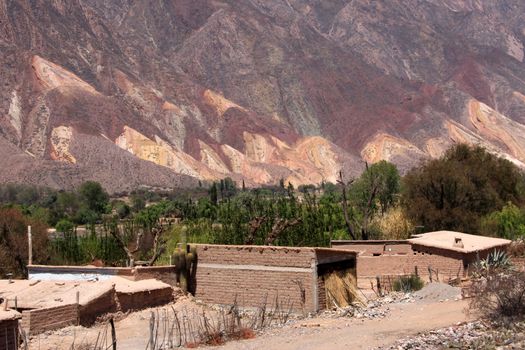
pixel 345 333
pixel 404 319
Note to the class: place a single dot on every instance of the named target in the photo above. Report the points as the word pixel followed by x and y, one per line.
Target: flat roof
pixel 276 248
pixel 446 240
pixel 9 315
pixel 36 294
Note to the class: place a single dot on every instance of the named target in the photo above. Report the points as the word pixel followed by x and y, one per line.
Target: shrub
pixel 516 248
pixel 499 295
pixel 408 283
pixel 392 225
pixel 496 261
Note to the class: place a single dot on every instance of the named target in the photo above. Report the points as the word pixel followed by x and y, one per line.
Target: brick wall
pixel 445 263
pixel 144 299
pixel 41 320
pixel 322 292
pixel 165 274
pixel 256 255
pixel 9 335
pixel 250 288
pixel 102 305
pixel 251 273
pixel 376 247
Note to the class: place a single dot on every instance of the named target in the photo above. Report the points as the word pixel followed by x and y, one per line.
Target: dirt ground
pixel 349 333
pixel 403 319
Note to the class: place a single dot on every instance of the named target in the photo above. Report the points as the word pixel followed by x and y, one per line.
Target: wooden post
pixel 113 334
pixel 378 280
pixel 151 331
pixel 416 271
pixel 430 274
pixel 5 304
pixel 16 303
pixel 30 245
pixel 78 307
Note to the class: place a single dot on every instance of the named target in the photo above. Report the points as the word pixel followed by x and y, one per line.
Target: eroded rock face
pixel 173 91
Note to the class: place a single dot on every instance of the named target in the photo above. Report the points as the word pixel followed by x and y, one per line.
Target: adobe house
pixel 251 274
pixel 446 255
pixel 9 330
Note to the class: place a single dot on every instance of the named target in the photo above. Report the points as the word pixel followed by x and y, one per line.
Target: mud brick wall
pixel 144 299
pixel 41 320
pixel 375 247
pixel 89 312
pixel 165 274
pixel 9 335
pixel 448 264
pixel 252 274
pixel 322 292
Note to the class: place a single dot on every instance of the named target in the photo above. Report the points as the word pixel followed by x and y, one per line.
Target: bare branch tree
pixel 279 226
pixel 344 185
pixel 254 226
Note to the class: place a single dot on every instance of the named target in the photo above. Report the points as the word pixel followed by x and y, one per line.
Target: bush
pixel 408 283
pixel 496 261
pixel 500 295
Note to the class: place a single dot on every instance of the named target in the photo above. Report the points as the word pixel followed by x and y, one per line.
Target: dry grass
pixel 341 290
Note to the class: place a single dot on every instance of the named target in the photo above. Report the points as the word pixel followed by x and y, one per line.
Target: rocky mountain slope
pixel 165 92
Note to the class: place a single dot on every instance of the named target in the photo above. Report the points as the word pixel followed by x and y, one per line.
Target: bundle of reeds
pixel 341 289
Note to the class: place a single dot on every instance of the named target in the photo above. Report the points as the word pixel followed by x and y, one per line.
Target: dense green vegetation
pixel 468 190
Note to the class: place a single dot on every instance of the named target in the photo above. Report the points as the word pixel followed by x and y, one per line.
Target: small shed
pixel 459 246
pixel 443 255
pixel 9 329
pixel 251 274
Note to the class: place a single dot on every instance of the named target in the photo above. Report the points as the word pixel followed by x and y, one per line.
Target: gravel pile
pixel 472 335
pixel 434 292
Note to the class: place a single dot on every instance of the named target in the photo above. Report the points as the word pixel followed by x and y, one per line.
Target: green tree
pixel 374 191
pixel 213 193
pixel 455 191
pixel 94 196
pixel 509 222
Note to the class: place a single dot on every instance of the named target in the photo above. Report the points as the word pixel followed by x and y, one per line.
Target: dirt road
pixel 403 319
pixel 344 333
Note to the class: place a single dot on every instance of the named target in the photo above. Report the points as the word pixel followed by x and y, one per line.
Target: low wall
pixel 374 247
pixel 46 319
pixel 9 334
pixel 144 299
pixel 84 273
pixel 90 311
pixel 397 258
pixel 253 274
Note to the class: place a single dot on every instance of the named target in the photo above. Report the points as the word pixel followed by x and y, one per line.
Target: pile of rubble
pixel 472 335
pixel 378 308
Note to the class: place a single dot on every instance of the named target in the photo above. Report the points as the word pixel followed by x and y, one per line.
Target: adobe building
pixel 9 330
pixel 252 274
pixel 57 302
pixel 440 255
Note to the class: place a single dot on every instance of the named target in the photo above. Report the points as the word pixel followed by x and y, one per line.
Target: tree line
pixel 468 189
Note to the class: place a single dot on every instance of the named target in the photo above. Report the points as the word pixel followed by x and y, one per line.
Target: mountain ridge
pixel 141 93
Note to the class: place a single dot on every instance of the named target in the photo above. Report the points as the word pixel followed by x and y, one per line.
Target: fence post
pixel 78 307
pixel 30 245
pixel 430 273
pixel 113 334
